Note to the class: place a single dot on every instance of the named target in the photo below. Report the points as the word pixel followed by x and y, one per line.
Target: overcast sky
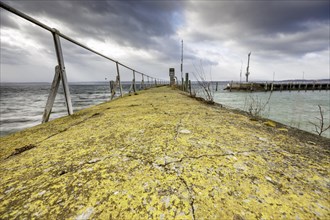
pixel 288 38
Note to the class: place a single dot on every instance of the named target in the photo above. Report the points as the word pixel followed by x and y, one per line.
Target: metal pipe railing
pixel 46 27
pixel 60 74
pixel 54 31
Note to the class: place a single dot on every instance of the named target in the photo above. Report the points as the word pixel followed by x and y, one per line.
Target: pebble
pixel 85 215
pixel 94 160
pixel 42 192
pixel 9 190
pixel 185 131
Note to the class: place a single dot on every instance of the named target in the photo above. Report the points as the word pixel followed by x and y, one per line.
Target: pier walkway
pixel 162 155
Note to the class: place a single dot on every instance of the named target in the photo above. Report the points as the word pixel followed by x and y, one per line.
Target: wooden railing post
pixel 118 75
pixel 142 81
pixel 186 82
pixel 134 86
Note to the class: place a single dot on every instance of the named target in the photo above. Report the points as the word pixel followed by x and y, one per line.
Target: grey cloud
pixel 7 21
pixel 132 23
pixel 256 25
pixel 143 25
pixel 13 55
pixel 263 17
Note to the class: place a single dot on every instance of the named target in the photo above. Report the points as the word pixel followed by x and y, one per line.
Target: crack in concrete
pixel 207 155
pixel 191 198
pixel 73 125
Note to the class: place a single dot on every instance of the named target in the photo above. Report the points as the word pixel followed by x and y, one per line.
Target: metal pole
pixel 60 61
pixel 182 60
pixel 118 75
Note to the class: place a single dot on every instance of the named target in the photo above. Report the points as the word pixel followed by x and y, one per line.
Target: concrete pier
pixel 163 155
pixel 270 86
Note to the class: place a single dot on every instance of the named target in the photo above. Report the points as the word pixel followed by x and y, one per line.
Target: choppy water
pixel 22 104
pixel 296 108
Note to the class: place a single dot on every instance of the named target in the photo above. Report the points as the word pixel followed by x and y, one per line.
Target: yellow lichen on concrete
pixel 161 155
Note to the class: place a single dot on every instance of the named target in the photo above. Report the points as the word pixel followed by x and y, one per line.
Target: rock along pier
pixel 163 155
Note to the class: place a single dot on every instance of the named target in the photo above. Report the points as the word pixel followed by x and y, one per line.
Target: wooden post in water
pixel 216 86
pixel 230 85
pixel 118 77
pixel 272 87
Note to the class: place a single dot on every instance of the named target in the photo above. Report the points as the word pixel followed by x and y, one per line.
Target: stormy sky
pixel 288 39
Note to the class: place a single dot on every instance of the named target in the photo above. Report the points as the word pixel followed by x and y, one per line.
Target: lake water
pixel 22 104
pixel 294 108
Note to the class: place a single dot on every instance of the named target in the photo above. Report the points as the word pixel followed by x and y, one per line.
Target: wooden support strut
pixel 52 95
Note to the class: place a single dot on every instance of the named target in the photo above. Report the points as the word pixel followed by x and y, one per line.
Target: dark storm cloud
pixel 151 31
pixel 284 26
pixel 130 23
pixel 7 21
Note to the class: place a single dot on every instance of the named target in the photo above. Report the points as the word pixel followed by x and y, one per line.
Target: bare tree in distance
pixel 320 127
pixel 202 81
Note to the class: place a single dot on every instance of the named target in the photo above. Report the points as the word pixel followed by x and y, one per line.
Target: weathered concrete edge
pixel 302 135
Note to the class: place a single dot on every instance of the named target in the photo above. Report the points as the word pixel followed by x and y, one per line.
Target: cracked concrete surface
pixel 162 155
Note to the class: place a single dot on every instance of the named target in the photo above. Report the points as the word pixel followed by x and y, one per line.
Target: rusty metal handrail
pixel 60 74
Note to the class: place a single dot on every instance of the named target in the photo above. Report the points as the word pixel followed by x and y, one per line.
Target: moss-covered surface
pixel 162 155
